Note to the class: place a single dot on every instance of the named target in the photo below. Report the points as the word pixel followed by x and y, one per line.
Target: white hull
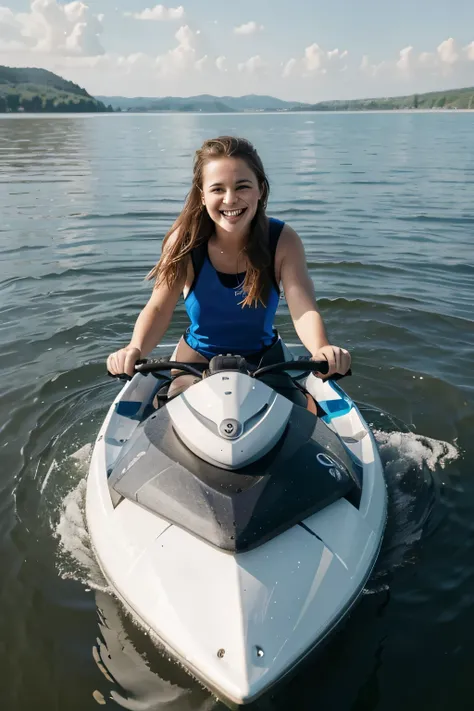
pixel 238 622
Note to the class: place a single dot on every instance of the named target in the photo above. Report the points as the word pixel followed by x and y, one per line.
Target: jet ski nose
pixel 229 419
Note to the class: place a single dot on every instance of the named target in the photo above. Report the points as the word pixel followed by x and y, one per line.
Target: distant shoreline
pixel 39 91
pixel 102 114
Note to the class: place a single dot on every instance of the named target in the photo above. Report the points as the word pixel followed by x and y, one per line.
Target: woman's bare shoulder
pixel 289 244
pixel 288 237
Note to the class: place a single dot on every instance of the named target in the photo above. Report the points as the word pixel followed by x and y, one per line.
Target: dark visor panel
pixel 237 510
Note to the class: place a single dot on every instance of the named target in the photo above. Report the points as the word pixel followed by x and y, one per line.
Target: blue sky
pixel 295 49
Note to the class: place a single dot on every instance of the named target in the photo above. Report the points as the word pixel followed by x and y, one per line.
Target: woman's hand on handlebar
pixel 123 361
pixel 339 360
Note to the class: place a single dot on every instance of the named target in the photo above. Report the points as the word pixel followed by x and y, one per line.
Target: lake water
pixel 384 204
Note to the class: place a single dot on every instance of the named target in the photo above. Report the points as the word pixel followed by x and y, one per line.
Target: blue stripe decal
pixel 336 408
pixel 128 409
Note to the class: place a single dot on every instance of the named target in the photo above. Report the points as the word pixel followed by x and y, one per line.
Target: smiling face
pixel 230 192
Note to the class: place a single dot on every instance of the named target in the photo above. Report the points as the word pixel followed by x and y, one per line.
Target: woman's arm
pixel 150 327
pixel 154 319
pixel 301 300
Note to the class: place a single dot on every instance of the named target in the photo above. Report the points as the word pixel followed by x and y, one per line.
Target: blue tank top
pixel 219 323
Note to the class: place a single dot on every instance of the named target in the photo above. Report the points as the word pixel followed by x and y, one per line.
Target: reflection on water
pixel 145 681
pixel 34 146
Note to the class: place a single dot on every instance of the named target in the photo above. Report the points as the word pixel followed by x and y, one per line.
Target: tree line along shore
pixel 34 90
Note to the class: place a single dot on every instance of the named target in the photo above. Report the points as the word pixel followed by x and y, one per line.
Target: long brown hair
pixel 194 226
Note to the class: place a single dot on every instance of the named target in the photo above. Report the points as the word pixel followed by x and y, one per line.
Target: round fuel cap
pixel 230 429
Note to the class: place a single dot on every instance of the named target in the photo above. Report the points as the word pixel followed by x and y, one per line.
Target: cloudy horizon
pixel 291 51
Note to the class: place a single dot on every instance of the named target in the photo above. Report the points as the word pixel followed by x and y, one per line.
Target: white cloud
pixel 221 63
pixel 52 28
pixel 446 56
pixel 64 35
pixel 200 65
pixel 425 65
pixel 371 69
pixel 101 62
pixel 315 60
pixel 289 67
pixel 185 36
pixel 183 57
pixel 184 54
pixel 158 13
pixel 254 65
pixel 427 59
pixel 173 66
pixel 313 57
pixel 187 58
pixel 10 31
pixel 12 46
pixel 447 52
pixel 335 54
pixel 138 60
pixel 405 61
pixel 6 15
pixel 249 28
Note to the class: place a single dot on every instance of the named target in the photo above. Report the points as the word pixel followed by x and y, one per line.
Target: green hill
pixel 449 99
pixel 37 90
pixel 202 102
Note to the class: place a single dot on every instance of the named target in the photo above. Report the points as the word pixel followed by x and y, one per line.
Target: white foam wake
pixel 416 449
pixel 76 558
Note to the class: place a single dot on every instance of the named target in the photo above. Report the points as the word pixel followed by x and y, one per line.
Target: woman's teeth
pixel 232 213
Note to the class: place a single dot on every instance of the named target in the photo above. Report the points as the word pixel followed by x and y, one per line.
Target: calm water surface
pixel 384 203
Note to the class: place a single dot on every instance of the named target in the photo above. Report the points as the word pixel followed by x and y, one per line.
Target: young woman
pixel 228 260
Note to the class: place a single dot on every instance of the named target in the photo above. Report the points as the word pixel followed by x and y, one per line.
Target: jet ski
pixel 239 521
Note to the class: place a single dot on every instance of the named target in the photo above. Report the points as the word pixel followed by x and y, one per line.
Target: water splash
pixel 76 559
pixel 412 466
pixel 401 449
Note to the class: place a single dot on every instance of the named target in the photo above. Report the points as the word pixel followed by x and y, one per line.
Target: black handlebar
pixel 197 369
pixel 316 366
pixel 154 366
pixel 145 366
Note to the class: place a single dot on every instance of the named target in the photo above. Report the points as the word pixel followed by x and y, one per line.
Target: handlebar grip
pixel 124 376
pixel 120 376
pixel 338 376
